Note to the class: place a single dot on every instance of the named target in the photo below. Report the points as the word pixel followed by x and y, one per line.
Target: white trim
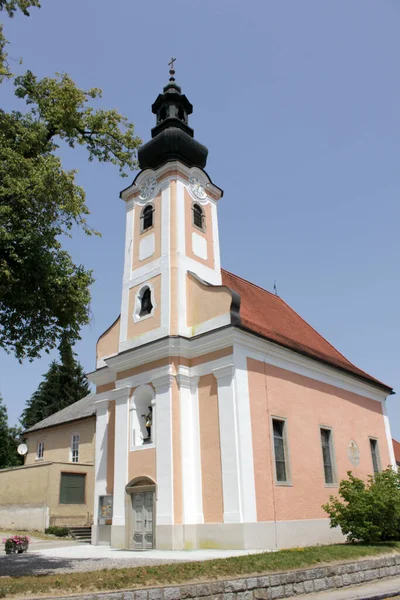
pixel 165 257
pixel 210 325
pixel 71 447
pixel 181 252
pixel 138 302
pixel 389 439
pixel 120 396
pixel 164 457
pixel 244 437
pixel 141 274
pixel 130 223
pixel 215 236
pixel 101 443
pixel 228 443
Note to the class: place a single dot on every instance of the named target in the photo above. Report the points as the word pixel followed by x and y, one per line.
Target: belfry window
pixel 147 217
pixel 181 114
pixel 163 114
pixel 198 216
pixel 145 302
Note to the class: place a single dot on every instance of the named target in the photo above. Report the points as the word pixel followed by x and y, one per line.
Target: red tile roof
pixel 396 448
pixel 269 316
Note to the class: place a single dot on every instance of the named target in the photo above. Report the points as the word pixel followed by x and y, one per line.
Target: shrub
pixel 58 531
pixel 367 511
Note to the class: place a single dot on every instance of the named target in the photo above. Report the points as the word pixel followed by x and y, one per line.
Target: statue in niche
pixel 148 420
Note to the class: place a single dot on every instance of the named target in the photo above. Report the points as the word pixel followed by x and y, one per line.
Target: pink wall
pixel 307 405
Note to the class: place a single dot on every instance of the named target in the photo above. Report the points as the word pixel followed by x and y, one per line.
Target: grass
pixel 182 573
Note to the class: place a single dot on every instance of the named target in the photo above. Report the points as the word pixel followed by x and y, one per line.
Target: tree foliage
pixel 62 385
pixel 367 511
pixel 9 440
pixel 43 293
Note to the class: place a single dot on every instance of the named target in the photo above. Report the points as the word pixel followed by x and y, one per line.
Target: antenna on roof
pixel 275 289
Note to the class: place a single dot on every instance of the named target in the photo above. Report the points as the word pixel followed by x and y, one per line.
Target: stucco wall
pixel 30 497
pixel 307 405
pixel 57 442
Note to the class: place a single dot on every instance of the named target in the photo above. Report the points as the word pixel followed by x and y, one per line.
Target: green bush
pixel 367 511
pixel 58 531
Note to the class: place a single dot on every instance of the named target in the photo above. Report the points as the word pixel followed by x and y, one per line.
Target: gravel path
pixel 32 563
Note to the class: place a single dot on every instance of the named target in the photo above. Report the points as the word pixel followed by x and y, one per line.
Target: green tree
pixel 62 385
pixel 9 440
pixel 367 511
pixel 43 293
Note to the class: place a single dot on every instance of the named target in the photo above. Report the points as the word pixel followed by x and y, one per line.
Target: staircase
pixel 81 534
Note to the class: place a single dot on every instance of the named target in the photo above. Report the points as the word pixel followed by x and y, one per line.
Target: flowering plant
pixel 16 544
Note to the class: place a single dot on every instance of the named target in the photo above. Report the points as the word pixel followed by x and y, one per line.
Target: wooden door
pixel 142 503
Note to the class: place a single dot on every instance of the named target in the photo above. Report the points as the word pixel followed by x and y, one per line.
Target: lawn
pixel 182 573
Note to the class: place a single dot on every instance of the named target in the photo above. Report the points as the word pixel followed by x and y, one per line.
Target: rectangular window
pixel 72 488
pixel 75 448
pixel 376 463
pixel 327 455
pixel 40 450
pixel 280 444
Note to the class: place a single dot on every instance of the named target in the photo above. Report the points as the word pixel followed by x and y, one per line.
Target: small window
pixel 75 448
pixel 376 463
pixel 198 216
pixel 147 217
pixel 72 488
pixel 40 450
pixel 145 302
pixel 280 450
pixel 163 113
pixel 327 455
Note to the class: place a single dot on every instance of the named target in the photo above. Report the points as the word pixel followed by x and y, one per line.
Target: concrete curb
pixel 269 587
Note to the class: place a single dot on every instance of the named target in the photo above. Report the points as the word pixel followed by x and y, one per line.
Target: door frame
pixel 139 485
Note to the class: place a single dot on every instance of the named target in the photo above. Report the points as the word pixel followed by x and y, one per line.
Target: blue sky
pixel 298 103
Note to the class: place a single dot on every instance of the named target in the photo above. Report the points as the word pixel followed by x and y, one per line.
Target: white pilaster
pixel 123 333
pixel 164 466
pixel 121 447
pixel 181 251
pixel 228 440
pixel 215 233
pixel 190 450
pixel 165 256
pixel 100 485
pixel 245 437
pixel 388 436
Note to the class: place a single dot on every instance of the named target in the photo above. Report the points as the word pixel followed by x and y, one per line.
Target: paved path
pixel 378 590
pixel 64 557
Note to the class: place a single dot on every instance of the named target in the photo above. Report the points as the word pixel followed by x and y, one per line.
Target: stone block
pixel 300 576
pixel 262 582
pixel 116 596
pixel 142 595
pixel 392 571
pixel 203 589
pixel 370 575
pixel 298 588
pixel 397 559
pixel 261 593
pixel 391 560
pixel 229 596
pixel 346 578
pixel 288 588
pixel 156 594
pixel 277 592
pixel 170 593
pixel 217 587
pixel 320 584
pixel 245 595
pixel 274 580
pixel 127 596
pixel 291 577
pixel 251 583
pixel 187 591
pixel 338 581
pixel 235 585
pixel 309 586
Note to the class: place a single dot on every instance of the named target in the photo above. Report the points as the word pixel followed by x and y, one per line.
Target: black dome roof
pixel 172 138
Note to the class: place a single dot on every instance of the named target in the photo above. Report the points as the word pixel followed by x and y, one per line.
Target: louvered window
pixel 72 488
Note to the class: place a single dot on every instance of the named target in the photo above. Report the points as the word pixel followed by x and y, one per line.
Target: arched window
pixel 145 302
pixel 163 114
pixel 181 114
pixel 147 217
pixel 198 216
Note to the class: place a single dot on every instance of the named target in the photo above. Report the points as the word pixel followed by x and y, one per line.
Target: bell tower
pixel 171 227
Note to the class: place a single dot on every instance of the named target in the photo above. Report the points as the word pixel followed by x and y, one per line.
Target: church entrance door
pixel 143 509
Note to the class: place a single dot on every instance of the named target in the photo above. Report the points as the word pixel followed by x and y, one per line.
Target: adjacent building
pixel 56 484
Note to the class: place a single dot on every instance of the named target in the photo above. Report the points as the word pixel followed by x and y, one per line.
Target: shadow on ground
pixel 29 563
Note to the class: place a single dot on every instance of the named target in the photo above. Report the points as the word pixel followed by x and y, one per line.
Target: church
pixel 223 420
